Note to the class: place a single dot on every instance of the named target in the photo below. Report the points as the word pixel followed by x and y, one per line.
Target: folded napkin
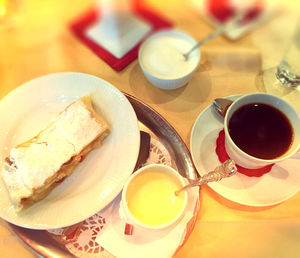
pixel 143 242
pixel 119 48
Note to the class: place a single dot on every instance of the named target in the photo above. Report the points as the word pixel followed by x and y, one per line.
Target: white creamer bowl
pixel 127 215
pixel 162 61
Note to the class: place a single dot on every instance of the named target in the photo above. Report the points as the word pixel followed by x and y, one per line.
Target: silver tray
pixel 40 240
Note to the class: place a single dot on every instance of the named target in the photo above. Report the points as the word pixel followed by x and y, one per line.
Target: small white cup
pixel 242 158
pixel 151 57
pixel 127 215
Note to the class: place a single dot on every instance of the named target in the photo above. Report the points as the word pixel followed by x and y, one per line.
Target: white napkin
pixel 143 242
pixel 118 33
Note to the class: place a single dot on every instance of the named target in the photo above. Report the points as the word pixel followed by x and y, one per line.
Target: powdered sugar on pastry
pixel 34 162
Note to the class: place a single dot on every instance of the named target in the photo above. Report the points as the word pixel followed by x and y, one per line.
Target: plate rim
pixel 99 83
pixel 39 244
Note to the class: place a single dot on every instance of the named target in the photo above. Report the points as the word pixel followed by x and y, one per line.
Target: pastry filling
pixel 36 166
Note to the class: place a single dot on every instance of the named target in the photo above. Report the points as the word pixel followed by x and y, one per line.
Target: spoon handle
pixel 226 169
pixel 231 24
pixel 211 36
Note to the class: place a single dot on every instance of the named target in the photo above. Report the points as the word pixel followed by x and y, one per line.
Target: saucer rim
pixel 230 196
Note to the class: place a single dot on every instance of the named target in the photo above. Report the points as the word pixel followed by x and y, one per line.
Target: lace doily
pixel 158 154
pixel 80 239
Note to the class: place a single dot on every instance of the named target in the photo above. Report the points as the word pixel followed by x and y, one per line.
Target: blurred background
pixel 36 39
pixel 35 36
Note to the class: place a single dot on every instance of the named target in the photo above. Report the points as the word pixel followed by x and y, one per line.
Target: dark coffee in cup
pixel 261 130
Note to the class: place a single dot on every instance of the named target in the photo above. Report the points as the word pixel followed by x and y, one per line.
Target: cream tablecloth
pixel 40 43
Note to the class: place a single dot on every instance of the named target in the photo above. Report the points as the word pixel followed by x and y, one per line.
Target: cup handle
pixel 128 229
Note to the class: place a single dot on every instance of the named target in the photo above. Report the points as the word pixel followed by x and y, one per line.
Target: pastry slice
pixel 36 166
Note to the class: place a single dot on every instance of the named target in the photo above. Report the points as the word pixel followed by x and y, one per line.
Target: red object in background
pixel 222 10
pixel 80 26
pixel 223 156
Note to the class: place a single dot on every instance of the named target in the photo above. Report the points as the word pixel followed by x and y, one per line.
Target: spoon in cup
pixel 221 105
pixel 232 24
pixel 211 36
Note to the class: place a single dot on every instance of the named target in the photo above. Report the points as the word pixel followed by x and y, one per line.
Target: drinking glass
pixel 288 71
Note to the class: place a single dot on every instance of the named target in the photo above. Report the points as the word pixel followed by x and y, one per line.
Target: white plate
pixel 281 183
pixel 100 177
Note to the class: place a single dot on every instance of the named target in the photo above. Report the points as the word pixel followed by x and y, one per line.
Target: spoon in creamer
pixel 211 36
pixel 226 169
pixel 233 23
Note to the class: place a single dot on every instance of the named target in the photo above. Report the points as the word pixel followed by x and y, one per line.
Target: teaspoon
pixel 202 42
pixel 232 24
pixel 221 105
pixel 226 169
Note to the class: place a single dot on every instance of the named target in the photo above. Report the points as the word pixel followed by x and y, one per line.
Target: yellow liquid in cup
pixel 151 197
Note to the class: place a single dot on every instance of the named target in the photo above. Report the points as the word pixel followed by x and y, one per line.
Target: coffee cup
pixel 261 129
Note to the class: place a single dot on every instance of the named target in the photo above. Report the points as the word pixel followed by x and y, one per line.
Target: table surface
pixel 36 44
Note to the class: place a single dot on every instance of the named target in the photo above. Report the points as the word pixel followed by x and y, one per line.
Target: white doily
pixel 158 154
pixel 79 239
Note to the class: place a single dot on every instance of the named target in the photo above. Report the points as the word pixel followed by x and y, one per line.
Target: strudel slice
pixel 36 166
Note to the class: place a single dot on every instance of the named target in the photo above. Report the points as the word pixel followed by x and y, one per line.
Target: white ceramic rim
pixel 168 32
pixel 85 192
pixel 249 191
pixel 237 149
pixel 163 168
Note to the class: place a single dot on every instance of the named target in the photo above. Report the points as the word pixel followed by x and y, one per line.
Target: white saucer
pixel 281 183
